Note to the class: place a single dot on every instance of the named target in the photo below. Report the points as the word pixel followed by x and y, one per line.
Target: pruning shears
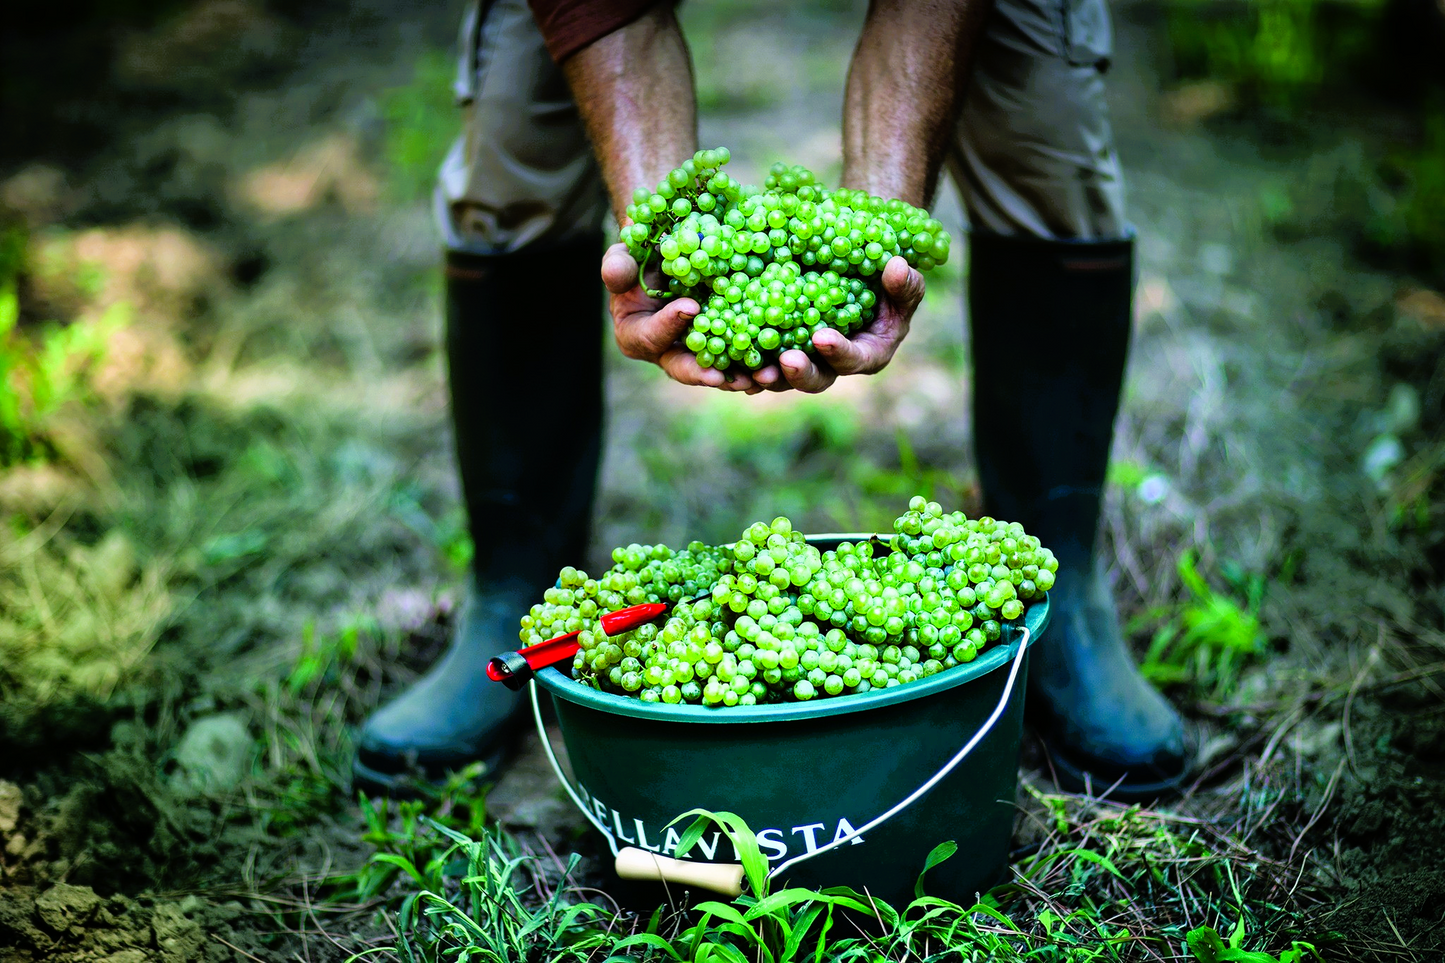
pixel 514 669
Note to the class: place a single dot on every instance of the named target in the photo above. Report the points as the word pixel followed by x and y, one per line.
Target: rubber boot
pixel 524 352
pixel 1050 328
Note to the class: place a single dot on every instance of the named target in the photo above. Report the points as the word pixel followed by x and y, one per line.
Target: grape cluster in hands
pixel 771 618
pixel 771 268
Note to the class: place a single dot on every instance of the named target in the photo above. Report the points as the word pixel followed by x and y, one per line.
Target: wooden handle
pixel 725 878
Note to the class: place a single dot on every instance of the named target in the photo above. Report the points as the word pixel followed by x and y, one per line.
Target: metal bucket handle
pixel 726 878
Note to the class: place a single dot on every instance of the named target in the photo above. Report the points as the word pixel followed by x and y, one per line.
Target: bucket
pixel 936 758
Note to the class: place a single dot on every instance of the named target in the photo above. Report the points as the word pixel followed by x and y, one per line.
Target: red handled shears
pixel 514 669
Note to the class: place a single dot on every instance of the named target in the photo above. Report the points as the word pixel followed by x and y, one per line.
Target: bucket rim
pixel 561 685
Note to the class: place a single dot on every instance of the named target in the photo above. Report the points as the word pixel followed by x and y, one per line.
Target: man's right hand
pixel 651 329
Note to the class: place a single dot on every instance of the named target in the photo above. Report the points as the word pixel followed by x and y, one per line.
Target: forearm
pixel 634 88
pixel 904 91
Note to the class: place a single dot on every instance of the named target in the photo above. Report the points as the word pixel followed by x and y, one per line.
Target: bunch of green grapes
pixel 667 662
pixel 572 605
pixel 641 573
pixel 891 600
pixel 772 268
pixel 655 573
pixel 998 561
pixel 771 564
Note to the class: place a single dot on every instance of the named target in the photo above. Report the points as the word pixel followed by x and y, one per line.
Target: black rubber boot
pixel 1050 327
pixel 524 349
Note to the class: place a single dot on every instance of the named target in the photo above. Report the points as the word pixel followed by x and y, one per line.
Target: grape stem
pixel 641 269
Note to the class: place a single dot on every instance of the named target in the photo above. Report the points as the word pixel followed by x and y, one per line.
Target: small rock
pixel 63 906
pixel 214 753
pixel 9 807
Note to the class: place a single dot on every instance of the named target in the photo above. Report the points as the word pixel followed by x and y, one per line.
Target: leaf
pixel 1092 857
pixel 692 833
pixel 727 952
pixel 1237 937
pixel 1189 575
pixel 823 936
pixel 1205 944
pixel 723 911
pixel 769 905
pixel 755 864
pixel 9 310
pixel 993 913
pixel 848 898
pixel 800 931
pixel 406 865
pixel 450 833
pixel 642 939
pixel 940 852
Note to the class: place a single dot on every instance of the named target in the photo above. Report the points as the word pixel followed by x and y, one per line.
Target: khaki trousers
pixel 1033 155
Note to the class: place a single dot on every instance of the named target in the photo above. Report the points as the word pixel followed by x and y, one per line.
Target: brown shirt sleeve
pixel 569 25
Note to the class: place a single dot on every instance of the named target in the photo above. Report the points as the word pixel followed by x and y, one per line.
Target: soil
pixel 275 459
pixel 1390 827
pixel 75 925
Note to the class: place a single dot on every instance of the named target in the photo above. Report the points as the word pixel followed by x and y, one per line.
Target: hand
pixel 868 352
pixel 651 329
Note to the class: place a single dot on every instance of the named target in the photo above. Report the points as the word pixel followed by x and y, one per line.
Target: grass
pixel 78 614
pixel 75 619
pixel 1106 883
pixel 817 461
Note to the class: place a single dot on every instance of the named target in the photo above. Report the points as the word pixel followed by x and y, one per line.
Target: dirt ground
pixel 255 536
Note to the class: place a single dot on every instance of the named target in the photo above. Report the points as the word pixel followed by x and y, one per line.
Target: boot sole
pixel 1074 778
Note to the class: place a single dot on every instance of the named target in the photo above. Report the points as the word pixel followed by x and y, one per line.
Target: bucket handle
pixel 726 878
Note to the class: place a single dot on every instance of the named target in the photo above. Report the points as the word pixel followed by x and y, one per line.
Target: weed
pixel 456 806
pixel 41 378
pixel 329 655
pixel 1205 641
pixel 1206 946
pixel 487 915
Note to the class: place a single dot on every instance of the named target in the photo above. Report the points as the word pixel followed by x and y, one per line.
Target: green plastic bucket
pixel 809 775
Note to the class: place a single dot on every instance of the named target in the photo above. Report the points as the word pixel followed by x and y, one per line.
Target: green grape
pixel 790 260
